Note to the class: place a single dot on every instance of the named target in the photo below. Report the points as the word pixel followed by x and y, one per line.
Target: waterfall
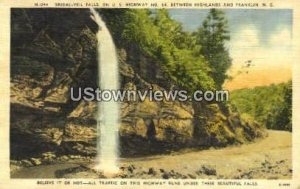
pixel 108 118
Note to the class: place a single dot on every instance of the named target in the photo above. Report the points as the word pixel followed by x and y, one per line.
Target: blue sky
pixel 265 21
pixel 261 35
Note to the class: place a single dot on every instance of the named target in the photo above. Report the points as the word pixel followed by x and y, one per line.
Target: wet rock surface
pixel 48 59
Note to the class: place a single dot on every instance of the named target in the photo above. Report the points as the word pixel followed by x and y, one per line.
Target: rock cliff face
pixel 55 49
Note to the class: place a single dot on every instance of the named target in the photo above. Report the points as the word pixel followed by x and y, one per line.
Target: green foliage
pixel 270 105
pixel 190 60
pixel 212 37
pixel 162 41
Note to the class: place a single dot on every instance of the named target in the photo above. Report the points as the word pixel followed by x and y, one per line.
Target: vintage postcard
pixel 142 94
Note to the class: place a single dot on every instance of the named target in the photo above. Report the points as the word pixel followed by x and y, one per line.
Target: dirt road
pixel 267 158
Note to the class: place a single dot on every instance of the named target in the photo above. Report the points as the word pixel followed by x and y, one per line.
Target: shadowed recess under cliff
pixel 52 53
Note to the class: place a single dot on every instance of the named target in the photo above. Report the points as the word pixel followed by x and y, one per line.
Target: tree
pixel 154 41
pixel 269 105
pixel 283 116
pixel 212 37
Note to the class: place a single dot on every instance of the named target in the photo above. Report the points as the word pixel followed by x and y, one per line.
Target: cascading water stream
pixel 108 118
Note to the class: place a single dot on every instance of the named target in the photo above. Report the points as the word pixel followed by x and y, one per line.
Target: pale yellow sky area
pixel 270 59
